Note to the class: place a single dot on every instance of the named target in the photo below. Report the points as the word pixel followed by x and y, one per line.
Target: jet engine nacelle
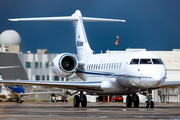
pixel 64 65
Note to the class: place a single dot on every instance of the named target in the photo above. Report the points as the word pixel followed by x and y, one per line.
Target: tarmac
pixel 108 111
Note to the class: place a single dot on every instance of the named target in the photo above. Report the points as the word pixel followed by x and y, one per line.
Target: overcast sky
pixel 150 24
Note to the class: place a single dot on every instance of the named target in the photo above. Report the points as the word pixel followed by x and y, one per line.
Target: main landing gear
pixel 132 99
pixel 135 99
pixel 149 102
pixel 19 101
pixel 82 98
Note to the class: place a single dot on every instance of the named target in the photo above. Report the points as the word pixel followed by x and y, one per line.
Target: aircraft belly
pixel 138 82
pixel 119 91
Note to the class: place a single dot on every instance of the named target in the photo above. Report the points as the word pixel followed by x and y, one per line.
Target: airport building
pixel 36 66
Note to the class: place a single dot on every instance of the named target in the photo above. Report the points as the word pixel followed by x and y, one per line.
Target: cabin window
pixel 134 61
pixel 120 66
pixel 112 65
pixel 115 66
pixel 99 66
pixel 157 61
pixel 102 66
pixel 109 65
pixel 145 61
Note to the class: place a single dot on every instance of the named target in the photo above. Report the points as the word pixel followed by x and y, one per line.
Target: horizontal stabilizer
pixel 101 19
pixel 68 18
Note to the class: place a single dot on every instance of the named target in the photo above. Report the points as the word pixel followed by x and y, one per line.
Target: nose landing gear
pixel 149 102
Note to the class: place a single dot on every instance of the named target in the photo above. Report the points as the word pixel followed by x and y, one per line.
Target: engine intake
pixel 67 63
pixel 64 65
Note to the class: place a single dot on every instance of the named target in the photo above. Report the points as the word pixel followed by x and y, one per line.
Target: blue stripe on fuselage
pixel 97 73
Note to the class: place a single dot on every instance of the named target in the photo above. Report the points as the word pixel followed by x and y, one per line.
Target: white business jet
pixel 120 73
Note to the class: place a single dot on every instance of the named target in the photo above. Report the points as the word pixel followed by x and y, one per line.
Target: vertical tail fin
pixel 1 77
pixel 2 86
pixel 82 45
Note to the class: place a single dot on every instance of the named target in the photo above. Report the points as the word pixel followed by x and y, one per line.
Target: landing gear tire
pixel 147 104
pixel 129 101
pixel 84 101
pixel 19 101
pixel 136 100
pixel 151 104
pixel 76 101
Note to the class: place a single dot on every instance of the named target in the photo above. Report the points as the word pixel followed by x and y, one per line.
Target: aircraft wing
pixel 84 86
pixel 169 84
pixel 2 96
pixel 36 93
pixel 5 67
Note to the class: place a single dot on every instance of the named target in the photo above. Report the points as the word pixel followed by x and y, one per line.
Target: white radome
pixel 10 37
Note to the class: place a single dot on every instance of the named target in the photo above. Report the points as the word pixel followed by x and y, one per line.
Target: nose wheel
pixel 149 102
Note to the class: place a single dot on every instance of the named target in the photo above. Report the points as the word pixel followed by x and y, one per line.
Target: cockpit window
pixel 16 86
pixel 145 61
pixel 157 61
pixel 134 61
